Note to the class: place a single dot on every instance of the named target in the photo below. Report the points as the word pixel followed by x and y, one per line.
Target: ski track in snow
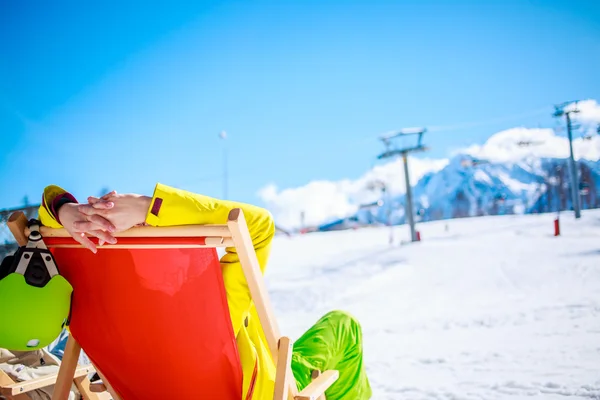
pixel 491 308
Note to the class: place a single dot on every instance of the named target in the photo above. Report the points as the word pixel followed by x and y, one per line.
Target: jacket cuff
pixel 58 202
pixel 153 215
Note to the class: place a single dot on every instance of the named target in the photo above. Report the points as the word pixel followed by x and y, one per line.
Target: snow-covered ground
pixel 482 308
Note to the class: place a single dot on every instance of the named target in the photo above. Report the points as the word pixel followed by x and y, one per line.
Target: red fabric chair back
pixel 154 321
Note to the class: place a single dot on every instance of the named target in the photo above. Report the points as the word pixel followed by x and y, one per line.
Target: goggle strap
pixel 26 258
pixel 36 242
pixel 35 237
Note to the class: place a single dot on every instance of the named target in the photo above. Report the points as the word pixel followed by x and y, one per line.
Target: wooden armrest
pixel 317 387
pixel 32 384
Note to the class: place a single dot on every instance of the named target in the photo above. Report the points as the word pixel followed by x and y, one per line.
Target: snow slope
pixel 491 308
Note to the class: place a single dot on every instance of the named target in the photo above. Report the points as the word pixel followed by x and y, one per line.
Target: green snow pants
pixel 334 342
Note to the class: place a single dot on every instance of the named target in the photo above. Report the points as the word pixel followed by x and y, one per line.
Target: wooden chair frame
pixel 232 234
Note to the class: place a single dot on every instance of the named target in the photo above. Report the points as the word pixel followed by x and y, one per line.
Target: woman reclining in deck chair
pixel 334 342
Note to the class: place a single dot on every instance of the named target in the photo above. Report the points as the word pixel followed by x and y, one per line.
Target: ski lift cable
pixel 489 121
pixel 471 124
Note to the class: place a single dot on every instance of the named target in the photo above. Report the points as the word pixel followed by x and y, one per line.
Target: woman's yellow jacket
pixel 172 206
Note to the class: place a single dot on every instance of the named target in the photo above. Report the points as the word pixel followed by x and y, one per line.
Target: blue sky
pixel 124 95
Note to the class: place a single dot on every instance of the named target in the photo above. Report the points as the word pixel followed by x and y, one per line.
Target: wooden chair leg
pixel 66 373
pixel 282 378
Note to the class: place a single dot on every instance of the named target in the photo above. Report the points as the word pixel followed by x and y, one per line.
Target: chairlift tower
pixel 559 112
pixel 404 152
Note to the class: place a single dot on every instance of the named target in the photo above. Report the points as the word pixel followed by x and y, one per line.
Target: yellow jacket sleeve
pixel 170 206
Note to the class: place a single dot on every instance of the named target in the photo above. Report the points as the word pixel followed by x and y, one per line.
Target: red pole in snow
pixel 556 227
pixel 418 236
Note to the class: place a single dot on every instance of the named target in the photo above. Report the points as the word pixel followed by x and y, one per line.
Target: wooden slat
pixel 210 244
pixel 153 231
pixel 317 387
pixel 17 223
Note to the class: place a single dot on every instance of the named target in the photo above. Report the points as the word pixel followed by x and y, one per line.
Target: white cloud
pixel 519 143
pixel 322 201
pixel 318 200
pixel 589 111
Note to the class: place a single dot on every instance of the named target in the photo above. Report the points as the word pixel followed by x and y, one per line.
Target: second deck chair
pixel 151 313
pixel 40 378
